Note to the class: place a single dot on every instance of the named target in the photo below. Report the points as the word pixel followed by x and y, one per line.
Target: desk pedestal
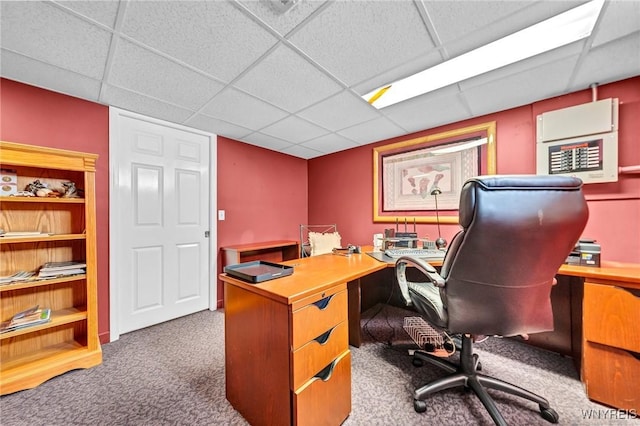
pixel 287 363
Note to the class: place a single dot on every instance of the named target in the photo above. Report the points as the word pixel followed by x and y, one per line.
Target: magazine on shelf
pixel 63 273
pixel 61 266
pixel 56 269
pixel 29 318
pixel 17 277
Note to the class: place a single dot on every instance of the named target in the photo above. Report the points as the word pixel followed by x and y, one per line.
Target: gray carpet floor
pixel 173 374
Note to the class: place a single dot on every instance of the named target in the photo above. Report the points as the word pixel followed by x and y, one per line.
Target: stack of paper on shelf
pixel 30 317
pixel 56 269
pixel 17 277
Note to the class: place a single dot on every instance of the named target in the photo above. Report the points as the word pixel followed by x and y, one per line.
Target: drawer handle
pixel 325 373
pixel 324 337
pixel 323 303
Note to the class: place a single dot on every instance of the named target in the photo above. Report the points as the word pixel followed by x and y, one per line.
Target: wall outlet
pixel 221 214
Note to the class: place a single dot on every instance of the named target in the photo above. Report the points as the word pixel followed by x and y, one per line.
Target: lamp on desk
pixel 440 242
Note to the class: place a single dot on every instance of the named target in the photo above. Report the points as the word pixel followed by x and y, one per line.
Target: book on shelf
pixel 28 318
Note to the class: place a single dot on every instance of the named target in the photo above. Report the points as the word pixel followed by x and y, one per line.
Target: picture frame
pixel 406 173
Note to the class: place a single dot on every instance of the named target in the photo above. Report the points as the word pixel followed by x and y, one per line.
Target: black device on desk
pixel 585 253
pixel 346 251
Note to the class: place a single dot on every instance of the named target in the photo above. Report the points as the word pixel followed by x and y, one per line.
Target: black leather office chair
pixel 497 274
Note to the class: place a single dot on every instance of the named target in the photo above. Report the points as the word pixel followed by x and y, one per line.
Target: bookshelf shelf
pixel 59 317
pixel 32 355
pixel 39 282
pixel 41 238
pixel 39 200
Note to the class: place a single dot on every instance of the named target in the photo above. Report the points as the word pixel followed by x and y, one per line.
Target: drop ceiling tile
pixel 283 23
pixel 218 127
pixel 135 102
pixel 283 78
pixel 104 12
pixel 373 131
pixel 342 110
pixel 294 130
pixel 358 40
pixel 45 32
pixel 239 108
pixel 523 88
pixel 26 70
pixel 302 152
pixel 140 70
pixel 521 15
pixel 433 109
pixel 620 19
pixel 330 143
pixel 610 62
pixel 266 141
pixel 453 19
pixel 214 37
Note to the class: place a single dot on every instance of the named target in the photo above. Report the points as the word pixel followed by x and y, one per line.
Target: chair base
pixel 466 374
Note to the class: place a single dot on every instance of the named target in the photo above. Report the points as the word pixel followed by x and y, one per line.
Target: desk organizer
pixel 258 271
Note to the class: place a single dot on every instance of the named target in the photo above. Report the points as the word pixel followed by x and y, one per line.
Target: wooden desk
pixel 287 358
pixel 275 366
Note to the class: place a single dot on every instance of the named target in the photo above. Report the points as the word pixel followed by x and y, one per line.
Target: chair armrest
pixel 423 266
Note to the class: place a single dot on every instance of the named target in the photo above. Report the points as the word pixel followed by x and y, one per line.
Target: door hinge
pixel 206 234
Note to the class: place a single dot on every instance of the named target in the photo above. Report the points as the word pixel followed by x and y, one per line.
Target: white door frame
pixel 115 203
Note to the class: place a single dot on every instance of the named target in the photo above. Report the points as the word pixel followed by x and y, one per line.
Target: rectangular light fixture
pixel 459 147
pixel 560 30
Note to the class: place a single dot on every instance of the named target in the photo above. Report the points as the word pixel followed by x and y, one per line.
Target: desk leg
pixel 353 289
pixel 577 294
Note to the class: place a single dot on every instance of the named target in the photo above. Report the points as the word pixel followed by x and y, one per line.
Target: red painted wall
pixel 263 193
pixel 267 195
pixel 340 185
pixel 39 117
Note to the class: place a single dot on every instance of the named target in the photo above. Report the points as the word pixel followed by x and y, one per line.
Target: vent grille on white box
pixel 587 119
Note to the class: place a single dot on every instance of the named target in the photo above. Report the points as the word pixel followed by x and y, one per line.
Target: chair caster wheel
pixel 419 406
pixel 549 414
pixel 417 362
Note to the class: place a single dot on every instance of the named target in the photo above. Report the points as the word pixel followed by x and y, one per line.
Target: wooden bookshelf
pixel 32 355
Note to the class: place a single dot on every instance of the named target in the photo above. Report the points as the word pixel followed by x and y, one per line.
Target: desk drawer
pixel 611 316
pixel 325 400
pixel 314 319
pixel 314 356
pixel 611 376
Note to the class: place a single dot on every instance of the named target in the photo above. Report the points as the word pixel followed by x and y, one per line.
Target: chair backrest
pixel 517 231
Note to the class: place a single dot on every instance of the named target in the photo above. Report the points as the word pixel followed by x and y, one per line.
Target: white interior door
pixel 160 231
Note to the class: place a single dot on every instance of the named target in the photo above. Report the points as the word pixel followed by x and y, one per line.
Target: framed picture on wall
pixel 411 177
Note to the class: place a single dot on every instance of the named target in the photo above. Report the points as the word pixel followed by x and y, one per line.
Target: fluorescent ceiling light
pixel 459 147
pixel 555 32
